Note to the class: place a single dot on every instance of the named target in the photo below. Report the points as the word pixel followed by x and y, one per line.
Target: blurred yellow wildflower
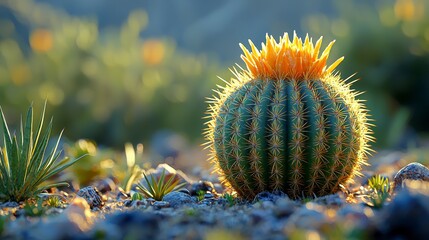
pixel 409 10
pixel 152 52
pixel 19 74
pixel 41 40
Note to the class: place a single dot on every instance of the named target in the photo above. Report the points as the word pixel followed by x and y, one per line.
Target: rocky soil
pixel 103 211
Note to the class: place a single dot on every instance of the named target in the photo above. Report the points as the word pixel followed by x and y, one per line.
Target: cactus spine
pixel 287 123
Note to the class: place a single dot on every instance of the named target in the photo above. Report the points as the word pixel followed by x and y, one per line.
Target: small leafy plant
pixel 379 183
pixel 158 188
pixel 200 195
pixel 25 162
pixel 380 191
pixel 54 201
pixel 230 199
pixel 136 196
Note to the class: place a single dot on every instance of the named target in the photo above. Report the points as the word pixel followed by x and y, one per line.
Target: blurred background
pixel 139 71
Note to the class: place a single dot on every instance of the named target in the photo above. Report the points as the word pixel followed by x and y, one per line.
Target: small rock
pixel 150 200
pixel 9 205
pixel 208 196
pixel 105 185
pixel 128 203
pixel 177 199
pixel 121 195
pixel 413 171
pixel 204 186
pixel 218 187
pixel 184 190
pixel 92 196
pixel 268 196
pixel 161 204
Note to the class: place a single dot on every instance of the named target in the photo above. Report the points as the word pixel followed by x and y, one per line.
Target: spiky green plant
pixel 287 123
pixel 200 195
pixel 230 199
pixel 379 191
pixel 158 188
pixel 54 201
pixel 379 183
pixel 25 161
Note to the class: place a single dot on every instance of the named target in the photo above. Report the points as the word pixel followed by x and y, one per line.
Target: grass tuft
pixel 158 188
pixel 380 191
pixel 25 161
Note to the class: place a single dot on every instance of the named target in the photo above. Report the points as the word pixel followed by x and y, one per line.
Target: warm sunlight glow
pixel 288 59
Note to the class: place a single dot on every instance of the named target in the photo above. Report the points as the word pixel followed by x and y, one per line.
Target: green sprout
pixel 54 201
pixel 136 196
pixel 380 193
pixel 200 195
pixel 230 199
pixel 379 183
pixel 25 162
pixel 157 189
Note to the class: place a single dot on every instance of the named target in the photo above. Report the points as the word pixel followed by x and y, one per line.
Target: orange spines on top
pixel 288 59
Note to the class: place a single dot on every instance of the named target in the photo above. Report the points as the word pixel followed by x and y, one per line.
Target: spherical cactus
pixel 287 123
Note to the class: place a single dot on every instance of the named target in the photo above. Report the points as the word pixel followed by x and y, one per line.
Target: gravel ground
pixel 108 213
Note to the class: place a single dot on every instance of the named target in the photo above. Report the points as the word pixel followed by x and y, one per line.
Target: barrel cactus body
pixel 286 123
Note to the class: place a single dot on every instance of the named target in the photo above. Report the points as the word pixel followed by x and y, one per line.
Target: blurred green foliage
pixel 116 85
pixel 100 162
pixel 110 86
pixel 387 45
pixel 92 166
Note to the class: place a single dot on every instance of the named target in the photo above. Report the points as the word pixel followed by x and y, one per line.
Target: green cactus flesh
pixel 287 123
pixel 297 136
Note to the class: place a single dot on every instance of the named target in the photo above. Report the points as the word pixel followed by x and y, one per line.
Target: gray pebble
pixel 105 185
pixel 161 204
pixel 208 195
pixel 177 199
pixel 184 190
pixel 204 186
pixel 92 196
